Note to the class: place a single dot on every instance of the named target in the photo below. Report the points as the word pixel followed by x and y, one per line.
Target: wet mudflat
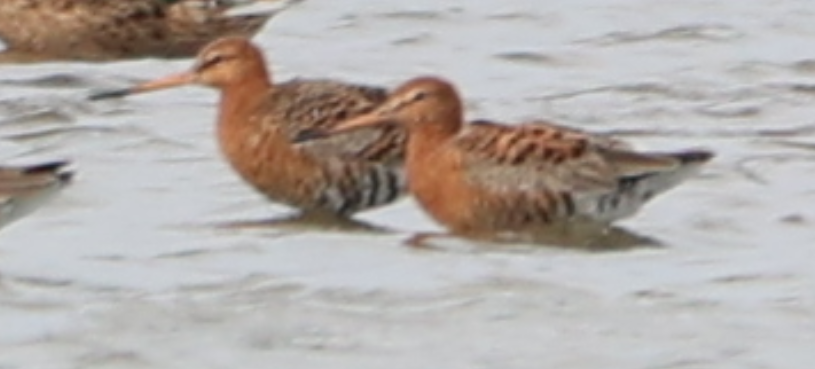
pixel 159 257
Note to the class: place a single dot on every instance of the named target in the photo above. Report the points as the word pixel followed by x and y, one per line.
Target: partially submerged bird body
pixel 22 188
pixel 487 177
pixel 97 30
pixel 495 177
pixel 258 120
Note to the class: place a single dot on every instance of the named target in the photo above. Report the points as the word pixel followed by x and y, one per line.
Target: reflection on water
pixel 306 222
pixel 572 236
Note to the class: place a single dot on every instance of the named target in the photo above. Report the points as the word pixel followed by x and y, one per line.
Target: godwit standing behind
pixel 258 119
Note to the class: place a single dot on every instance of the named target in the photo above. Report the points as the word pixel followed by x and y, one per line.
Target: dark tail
pixel 694 156
pixel 56 168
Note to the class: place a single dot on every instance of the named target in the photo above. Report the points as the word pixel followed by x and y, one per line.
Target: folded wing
pixel 542 156
pixel 321 105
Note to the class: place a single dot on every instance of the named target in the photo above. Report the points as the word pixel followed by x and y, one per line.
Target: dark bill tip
pixel 110 94
pixel 309 135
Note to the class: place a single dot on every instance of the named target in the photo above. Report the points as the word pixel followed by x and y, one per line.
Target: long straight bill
pixel 173 80
pixel 366 120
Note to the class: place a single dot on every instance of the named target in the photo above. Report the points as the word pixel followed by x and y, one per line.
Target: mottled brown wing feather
pixel 322 104
pixel 537 156
pixel 111 29
pixel 190 28
pixel 60 25
pixel 599 140
pixel 178 30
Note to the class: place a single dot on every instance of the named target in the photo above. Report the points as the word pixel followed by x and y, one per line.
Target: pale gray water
pixel 135 265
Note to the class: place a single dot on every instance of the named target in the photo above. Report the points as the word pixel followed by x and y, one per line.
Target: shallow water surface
pixel 158 256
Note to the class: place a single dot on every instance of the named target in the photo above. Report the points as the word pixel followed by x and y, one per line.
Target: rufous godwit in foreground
pixel 489 177
pixel 21 187
pixel 99 30
pixel 257 120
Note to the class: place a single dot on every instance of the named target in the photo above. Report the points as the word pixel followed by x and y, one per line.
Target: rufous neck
pixel 239 96
pixel 428 136
pixel 442 124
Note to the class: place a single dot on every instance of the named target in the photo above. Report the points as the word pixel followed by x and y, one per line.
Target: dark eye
pixel 213 60
pixel 420 95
